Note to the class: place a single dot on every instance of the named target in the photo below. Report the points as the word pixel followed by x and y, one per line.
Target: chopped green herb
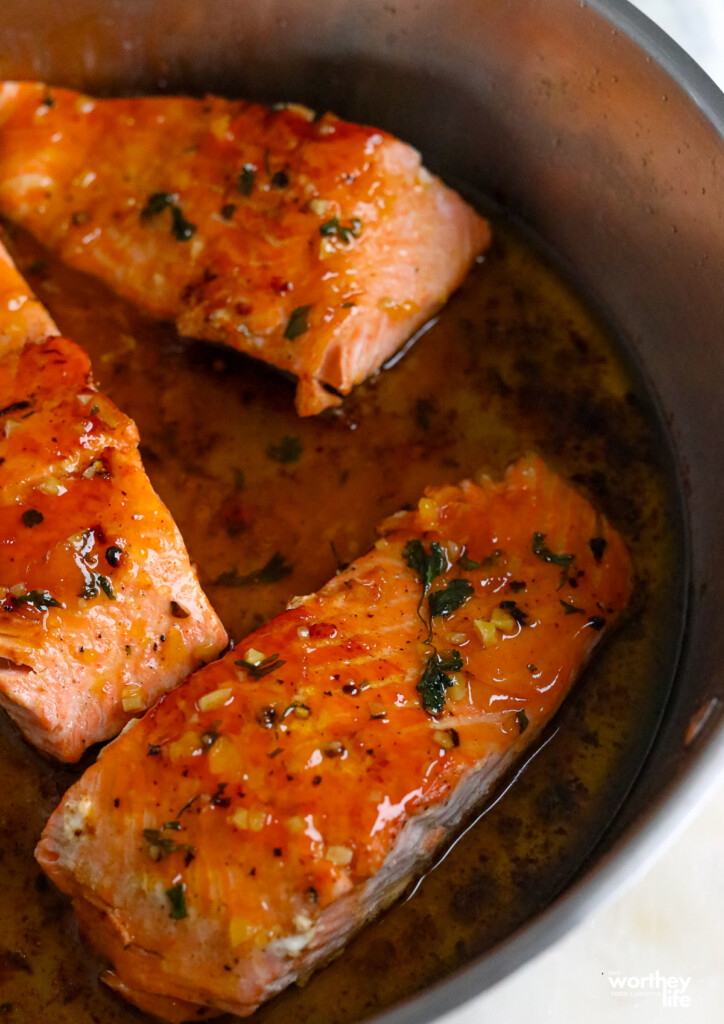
pixel 343 232
pixel 48 100
pixel 427 567
pixel 157 203
pixel 177 899
pixel 275 753
pixel 160 846
pixel 450 661
pixel 433 684
pixel 189 804
pixel 175 825
pixel 228 210
pixel 181 228
pixel 522 720
pixel 596 622
pixel 289 449
pixel 493 558
pixel 546 555
pixel 247 175
pixel 154 750
pixel 262 668
pixel 297 323
pixel 94 410
pixel 531 668
pixel 40 599
pixel 598 545
pixel 468 564
pixel 32 517
pixel 570 608
pixel 94 583
pixel 106 586
pixel 453 596
pixel 276 569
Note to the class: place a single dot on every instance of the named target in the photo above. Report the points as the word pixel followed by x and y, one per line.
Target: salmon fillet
pixel 100 609
pixel 315 245
pixel 258 815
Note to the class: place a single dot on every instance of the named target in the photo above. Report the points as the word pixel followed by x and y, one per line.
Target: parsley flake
pixel 245 183
pixel 344 232
pixel 542 551
pixel 453 596
pixel 297 323
pixel 177 899
pixel 40 599
pixel 435 680
pixel 181 228
pixel 262 668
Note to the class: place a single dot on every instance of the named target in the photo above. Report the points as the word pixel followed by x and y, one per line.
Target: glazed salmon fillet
pixel 236 836
pixel 315 245
pixel 100 609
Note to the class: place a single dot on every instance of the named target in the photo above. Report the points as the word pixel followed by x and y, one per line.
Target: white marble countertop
pixel 655 953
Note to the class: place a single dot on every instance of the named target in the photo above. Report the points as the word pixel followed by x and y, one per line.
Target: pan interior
pixel 516 362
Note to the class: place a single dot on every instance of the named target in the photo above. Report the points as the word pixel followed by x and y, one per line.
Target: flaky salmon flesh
pixel 100 608
pixel 313 244
pixel 235 837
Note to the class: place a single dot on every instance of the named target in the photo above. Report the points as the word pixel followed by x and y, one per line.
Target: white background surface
pixel 672 920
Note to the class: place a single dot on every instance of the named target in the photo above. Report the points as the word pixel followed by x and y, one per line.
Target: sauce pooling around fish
pixel 271 505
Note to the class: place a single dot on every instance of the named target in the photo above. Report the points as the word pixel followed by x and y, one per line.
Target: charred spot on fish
pixel 598 546
pixel 515 612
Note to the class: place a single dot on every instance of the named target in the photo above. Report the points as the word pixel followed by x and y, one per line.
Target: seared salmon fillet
pixel 100 609
pixel 315 245
pixel 258 815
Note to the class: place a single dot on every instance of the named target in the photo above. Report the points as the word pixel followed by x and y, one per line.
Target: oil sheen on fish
pixel 236 836
pixel 313 244
pixel 100 609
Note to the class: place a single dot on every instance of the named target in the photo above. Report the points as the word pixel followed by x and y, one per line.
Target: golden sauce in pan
pixel 514 363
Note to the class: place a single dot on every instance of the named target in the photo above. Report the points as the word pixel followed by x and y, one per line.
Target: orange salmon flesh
pixel 100 609
pixel 240 833
pixel 313 244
